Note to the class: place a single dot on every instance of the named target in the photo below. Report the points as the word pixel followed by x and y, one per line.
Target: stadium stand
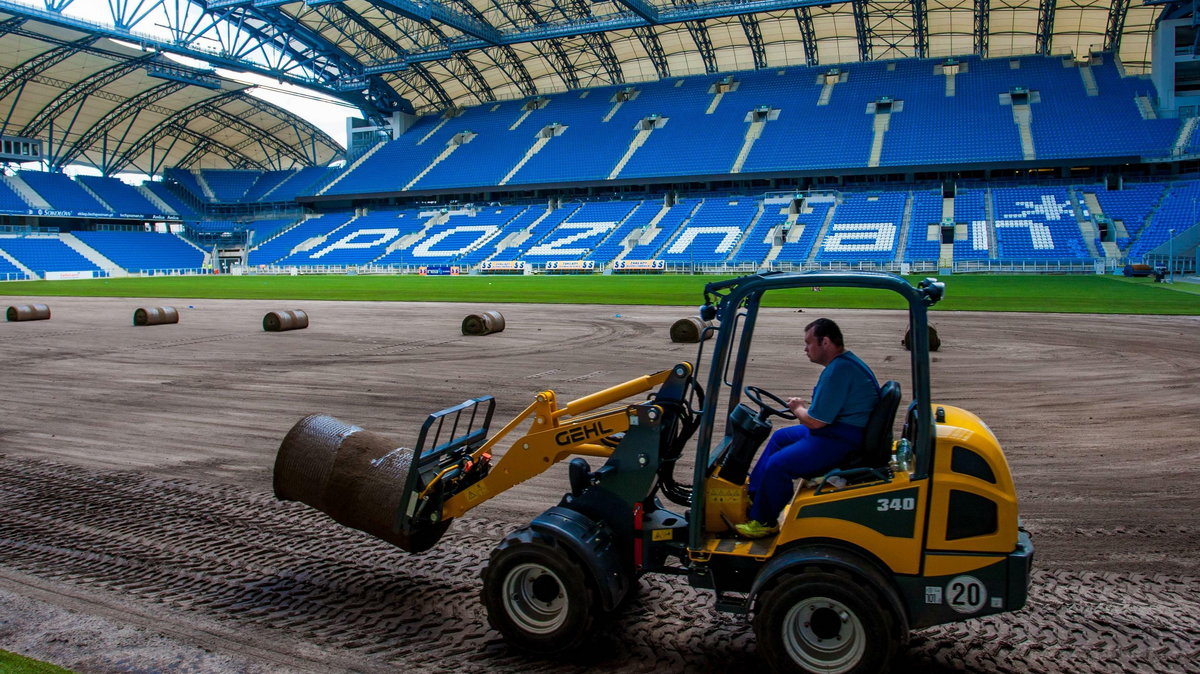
pixel 8 270
pixel 656 234
pixel 971 211
pixel 42 253
pixel 303 181
pixel 144 251
pixel 615 243
pixel 163 193
pixel 10 201
pixel 189 181
pixel 63 194
pixel 1036 223
pixel 865 228
pixel 761 238
pixel 1178 212
pixel 710 235
pixel 359 241
pixel 123 199
pixel 536 231
pixel 271 250
pixel 231 186
pixel 580 233
pixel 924 227
pixel 801 234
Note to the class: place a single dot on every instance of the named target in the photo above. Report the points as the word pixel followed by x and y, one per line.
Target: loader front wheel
pixel 823 621
pixel 536 595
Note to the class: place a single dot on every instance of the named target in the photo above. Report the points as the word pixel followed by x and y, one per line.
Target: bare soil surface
pixel 138 530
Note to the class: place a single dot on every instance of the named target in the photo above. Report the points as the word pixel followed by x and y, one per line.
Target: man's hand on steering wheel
pixel 756 395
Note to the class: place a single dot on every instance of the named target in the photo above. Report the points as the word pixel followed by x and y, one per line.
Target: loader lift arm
pixel 449 478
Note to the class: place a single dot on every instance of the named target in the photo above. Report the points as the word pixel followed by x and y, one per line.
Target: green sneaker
pixel 755 529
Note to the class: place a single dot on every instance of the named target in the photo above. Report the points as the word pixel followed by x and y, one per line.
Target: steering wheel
pixel 756 395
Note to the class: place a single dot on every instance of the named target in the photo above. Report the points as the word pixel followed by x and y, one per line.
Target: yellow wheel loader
pixel 914 531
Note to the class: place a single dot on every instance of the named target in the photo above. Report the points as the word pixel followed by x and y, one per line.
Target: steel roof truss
pixel 920 29
pixel 1117 11
pixel 428 10
pixel 47 59
pixel 80 92
pixel 127 13
pixel 982 9
pixel 1045 27
pixel 127 110
pixel 808 36
pixel 754 37
pixel 654 50
pixel 861 30
pixel 699 33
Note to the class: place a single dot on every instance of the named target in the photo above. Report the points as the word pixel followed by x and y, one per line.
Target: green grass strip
pixel 1034 293
pixel 11 663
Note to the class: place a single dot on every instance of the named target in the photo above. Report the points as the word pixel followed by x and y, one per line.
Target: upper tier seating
pixel 816 125
pixel 189 182
pixel 144 251
pixel 63 194
pixel 304 182
pixel 231 186
pixel 10 201
pixel 171 199
pixel 46 253
pixel 123 199
pixel 865 227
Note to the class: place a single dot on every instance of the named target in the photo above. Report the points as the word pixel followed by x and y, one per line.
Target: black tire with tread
pixel 515 554
pixel 878 634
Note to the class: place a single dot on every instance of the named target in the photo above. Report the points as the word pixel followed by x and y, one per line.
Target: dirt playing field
pixel 138 530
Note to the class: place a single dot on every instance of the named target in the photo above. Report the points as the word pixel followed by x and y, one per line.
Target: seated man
pixel 830 430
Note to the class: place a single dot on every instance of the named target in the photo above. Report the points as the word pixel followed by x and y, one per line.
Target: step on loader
pixel 913 532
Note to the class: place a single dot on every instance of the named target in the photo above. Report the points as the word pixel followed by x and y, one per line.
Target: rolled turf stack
pixel 355 476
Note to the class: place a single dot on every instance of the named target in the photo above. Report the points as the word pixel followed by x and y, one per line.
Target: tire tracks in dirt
pixel 277 573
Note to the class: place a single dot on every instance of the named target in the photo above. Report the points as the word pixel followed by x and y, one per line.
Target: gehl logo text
pixel 595 429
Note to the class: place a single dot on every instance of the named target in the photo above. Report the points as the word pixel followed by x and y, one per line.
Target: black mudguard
pixel 594 545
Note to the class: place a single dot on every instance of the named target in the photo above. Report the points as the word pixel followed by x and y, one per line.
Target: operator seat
pixel 877 437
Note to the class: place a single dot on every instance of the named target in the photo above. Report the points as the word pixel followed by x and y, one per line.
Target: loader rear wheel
pixel 536 595
pixel 822 621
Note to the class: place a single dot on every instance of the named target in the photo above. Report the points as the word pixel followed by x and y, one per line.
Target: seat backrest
pixel 877 438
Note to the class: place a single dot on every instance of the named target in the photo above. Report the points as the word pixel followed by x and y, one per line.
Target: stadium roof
pixel 427 55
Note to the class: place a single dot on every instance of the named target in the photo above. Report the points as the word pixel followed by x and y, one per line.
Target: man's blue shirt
pixel 846 392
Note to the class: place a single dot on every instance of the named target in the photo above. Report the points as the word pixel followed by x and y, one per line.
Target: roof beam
pixel 643 9
pixel 862 29
pixel 654 50
pixel 1045 27
pixel 428 10
pixel 920 30
pixel 808 35
pixel 1116 25
pixel 982 7
pixel 575 27
pixel 754 37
